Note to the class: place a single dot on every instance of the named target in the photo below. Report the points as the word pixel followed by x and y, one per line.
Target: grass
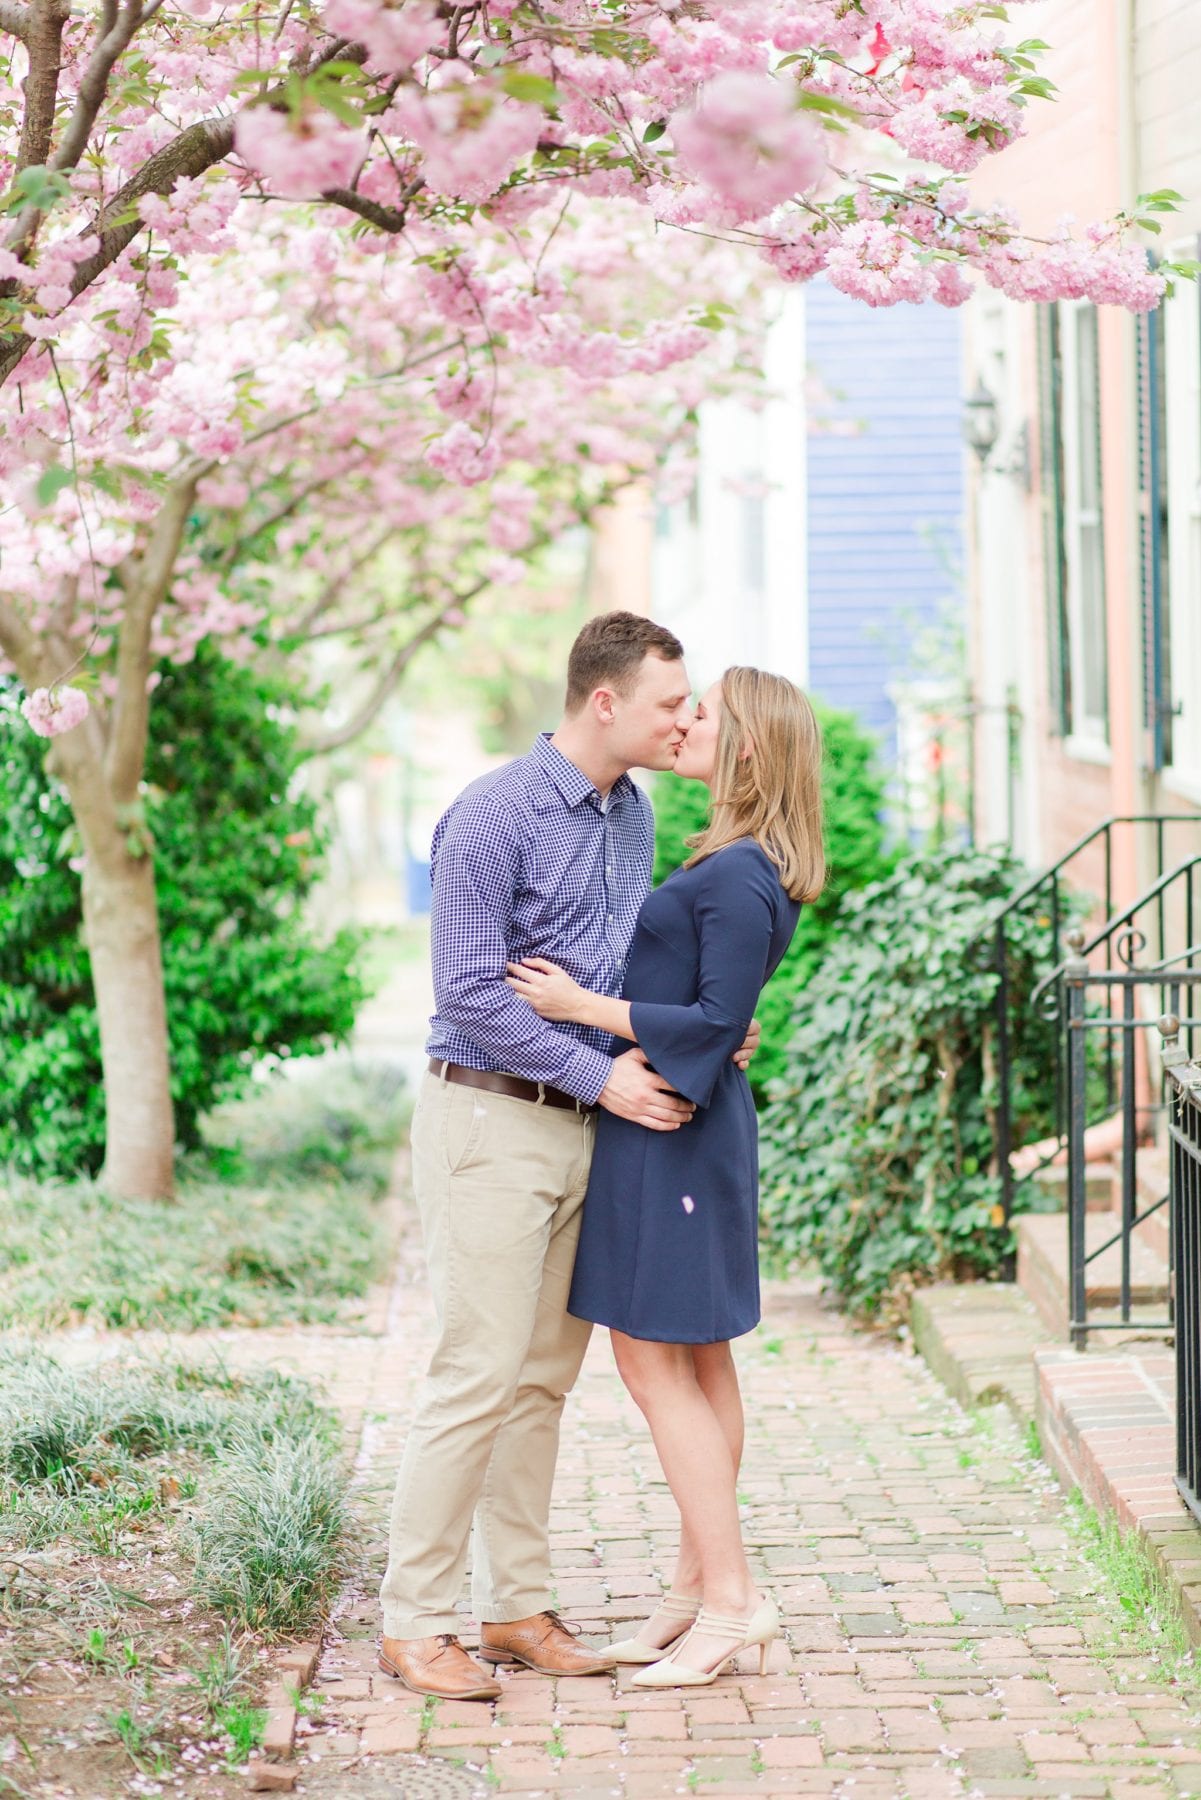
pixel 278 1219
pixel 266 1538
pixel 243 1726
pixel 1148 1621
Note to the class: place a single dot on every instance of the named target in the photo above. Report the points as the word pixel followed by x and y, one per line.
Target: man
pixel 549 856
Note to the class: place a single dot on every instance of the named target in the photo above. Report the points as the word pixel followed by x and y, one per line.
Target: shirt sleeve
pixel 477 870
pixel 735 914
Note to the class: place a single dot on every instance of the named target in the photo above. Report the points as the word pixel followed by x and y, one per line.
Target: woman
pixel 668 1255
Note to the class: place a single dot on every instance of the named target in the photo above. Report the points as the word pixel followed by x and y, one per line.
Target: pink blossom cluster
pixel 302 156
pixel 496 437
pixel 53 710
pixel 395 37
pixel 463 455
pixel 748 144
pixel 878 265
pixel 695 111
pixel 1102 269
pixel 471 139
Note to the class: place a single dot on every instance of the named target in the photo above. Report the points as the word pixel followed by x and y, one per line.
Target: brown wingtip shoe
pixel 438 1666
pixel 545 1644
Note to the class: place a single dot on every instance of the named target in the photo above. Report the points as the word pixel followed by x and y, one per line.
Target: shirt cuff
pixel 586 1075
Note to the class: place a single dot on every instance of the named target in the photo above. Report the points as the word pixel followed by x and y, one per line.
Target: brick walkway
pixel 943 1636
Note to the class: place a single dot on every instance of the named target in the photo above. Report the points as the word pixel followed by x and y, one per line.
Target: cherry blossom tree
pixel 133 126
pixel 355 447
pixel 226 415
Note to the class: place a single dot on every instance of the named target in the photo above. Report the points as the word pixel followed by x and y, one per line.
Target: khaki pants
pixel 499 1184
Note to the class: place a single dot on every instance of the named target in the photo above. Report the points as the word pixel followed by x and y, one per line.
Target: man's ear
pixel 604 706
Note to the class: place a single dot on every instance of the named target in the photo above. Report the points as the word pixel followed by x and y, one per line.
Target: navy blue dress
pixel 669 1245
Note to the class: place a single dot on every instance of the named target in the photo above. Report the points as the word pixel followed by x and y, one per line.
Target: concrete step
pixel 1043 1273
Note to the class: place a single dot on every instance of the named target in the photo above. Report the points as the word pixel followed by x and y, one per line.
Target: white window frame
pixel 1182 359
pixel 1089 738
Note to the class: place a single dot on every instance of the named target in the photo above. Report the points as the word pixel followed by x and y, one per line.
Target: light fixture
pixel 980 421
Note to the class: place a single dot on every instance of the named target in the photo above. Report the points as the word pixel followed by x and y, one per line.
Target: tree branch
pixel 387 682
pixel 190 154
pixel 362 623
pixel 337 586
pixel 392 219
pixel 147 587
pixel 94 86
pixel 17 642
pixel 230 555
pixel 14 19
pixel 44 39
pixel 207 142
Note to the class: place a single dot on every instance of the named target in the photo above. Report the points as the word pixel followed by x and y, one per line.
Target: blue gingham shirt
pixel 526 863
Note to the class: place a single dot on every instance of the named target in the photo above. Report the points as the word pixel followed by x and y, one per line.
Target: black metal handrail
pixel 1089 995
pixel 1183 1078
pixel 994 942
pixel 1156 895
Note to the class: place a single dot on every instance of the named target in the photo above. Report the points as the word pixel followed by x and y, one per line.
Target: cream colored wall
pixel 619 575
pixel 1167 67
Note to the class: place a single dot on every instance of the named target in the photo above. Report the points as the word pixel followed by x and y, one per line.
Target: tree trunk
pixel 120 920
pixel 120 913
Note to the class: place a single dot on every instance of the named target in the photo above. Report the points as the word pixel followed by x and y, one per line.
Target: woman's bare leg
pixel 700 1467
pixel 717 1377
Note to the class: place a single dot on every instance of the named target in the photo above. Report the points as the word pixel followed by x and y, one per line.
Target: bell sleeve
pixel 735 915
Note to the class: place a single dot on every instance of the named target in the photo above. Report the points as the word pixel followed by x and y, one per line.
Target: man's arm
pixel 476 874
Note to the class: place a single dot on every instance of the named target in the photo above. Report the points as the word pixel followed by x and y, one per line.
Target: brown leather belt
pixel 512 1085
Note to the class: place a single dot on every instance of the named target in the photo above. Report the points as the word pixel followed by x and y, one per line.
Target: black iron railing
pixel 1183 1079
pixel 1119 1007
pixel 1051 897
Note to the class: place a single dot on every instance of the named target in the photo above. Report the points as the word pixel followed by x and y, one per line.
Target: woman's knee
pixel 714 1364
pixel 650 1371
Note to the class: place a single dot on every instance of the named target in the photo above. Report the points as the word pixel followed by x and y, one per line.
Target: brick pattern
pixel 942 1638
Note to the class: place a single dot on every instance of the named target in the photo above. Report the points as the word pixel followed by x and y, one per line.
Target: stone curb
pixel 293 1670
pixel 987 1345
pixel 271 1770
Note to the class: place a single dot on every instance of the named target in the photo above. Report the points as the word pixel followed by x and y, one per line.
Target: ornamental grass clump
pixel 878 1148
pixel 271 1547
pixel 241 1476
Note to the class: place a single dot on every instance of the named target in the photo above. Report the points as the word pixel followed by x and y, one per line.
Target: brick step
pixel 1103 1191
pixel 1098 1187
pixel 1043 1272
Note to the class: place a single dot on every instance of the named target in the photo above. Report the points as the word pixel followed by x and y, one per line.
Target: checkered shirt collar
pixel 571 782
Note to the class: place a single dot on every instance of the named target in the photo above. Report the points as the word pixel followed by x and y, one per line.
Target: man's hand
pixel 634 1091
pixel 749 1045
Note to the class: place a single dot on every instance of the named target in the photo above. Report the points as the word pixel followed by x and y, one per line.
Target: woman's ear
pixel 747 751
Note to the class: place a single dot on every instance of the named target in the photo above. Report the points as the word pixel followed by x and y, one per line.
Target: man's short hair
pixel 609 652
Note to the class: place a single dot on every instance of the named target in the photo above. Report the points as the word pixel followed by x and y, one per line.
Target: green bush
pixel 877 1151
pixel 853 793
pixel 236 853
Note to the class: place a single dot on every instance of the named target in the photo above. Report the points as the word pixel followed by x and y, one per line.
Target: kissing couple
pixel 585 1152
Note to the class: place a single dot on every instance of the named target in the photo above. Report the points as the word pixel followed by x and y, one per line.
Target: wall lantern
pixel 980 421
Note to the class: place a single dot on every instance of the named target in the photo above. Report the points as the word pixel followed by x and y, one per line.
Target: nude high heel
pixel 681 1608
pixel 760 1630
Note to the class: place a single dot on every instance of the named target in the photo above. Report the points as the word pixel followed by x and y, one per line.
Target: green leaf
pixel 51 483
pixel 654 131
pixel 523 84
pixel 826 103
pixel 37 188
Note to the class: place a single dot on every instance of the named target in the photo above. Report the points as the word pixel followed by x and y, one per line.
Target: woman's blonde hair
pixel 767 779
